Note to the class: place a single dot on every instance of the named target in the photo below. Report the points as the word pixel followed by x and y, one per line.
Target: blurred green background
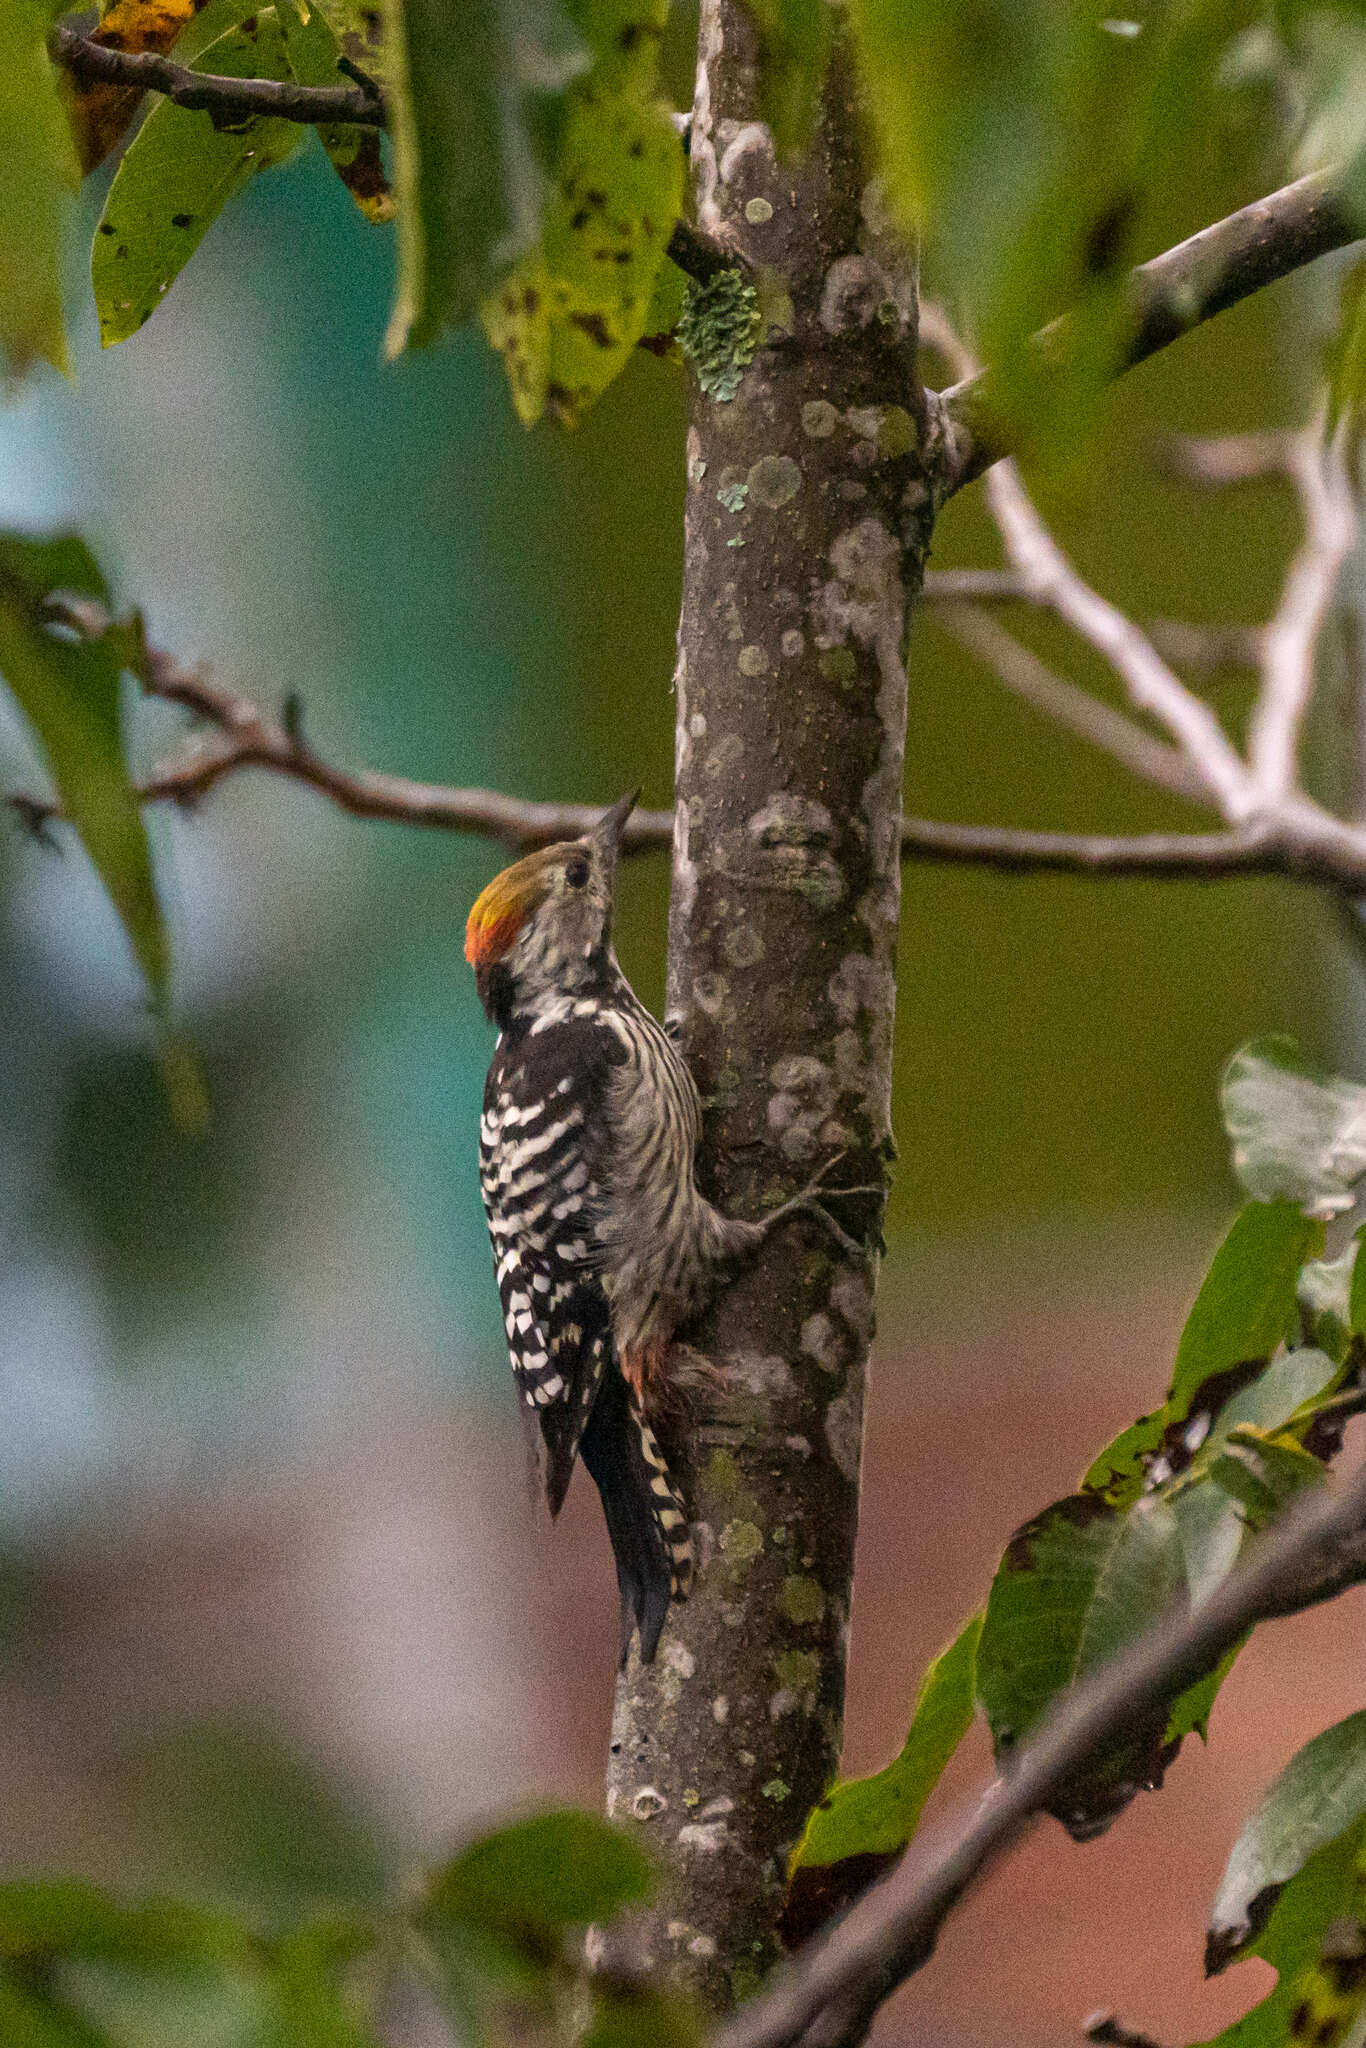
pixel 277 1613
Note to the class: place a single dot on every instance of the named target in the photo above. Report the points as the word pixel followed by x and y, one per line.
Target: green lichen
pixel 776 1790
pixel 802 1600
pixel 723 1474
pixel 896 434
pixel 691 1796
pixel 838 665
pixel 741 1541
pixel 774 480
pixel 732 495
pixel 800 1672
pixel 719 330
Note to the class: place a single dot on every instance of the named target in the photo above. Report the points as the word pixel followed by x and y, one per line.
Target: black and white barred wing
pixel 540 1139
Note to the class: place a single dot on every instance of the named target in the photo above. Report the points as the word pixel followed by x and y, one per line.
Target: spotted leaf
pixel 177 175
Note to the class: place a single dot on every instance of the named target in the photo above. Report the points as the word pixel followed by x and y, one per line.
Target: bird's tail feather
pixel 644 1515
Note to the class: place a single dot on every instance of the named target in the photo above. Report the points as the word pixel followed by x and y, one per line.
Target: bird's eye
pixel 576 874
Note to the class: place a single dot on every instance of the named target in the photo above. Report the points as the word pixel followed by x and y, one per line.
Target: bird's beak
pixel 608 827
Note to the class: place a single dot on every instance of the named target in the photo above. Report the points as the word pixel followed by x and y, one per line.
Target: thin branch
pixel 1317 1551
pixel 1022 672
pixel 1206 650
pixel 1175 292
pixel 244 737
pixel 1153 687
pixel 976 586
pixel 1290 641
pixel 227 99
pixel 230 100
pixel 1187 856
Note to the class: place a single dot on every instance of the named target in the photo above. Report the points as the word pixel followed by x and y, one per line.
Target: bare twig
pixel 1175 292
pixel 1317 1551
pixel 1022 672
pixel 1290 642
pixel 976 586
pixel 1152 686
pixel 244 737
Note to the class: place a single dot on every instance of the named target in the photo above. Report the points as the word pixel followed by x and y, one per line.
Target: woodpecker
pixel 603 1244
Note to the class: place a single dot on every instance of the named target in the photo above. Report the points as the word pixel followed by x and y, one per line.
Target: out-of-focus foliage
pixel 490 1937
pixel 40 169
pixel 1298 1132
pixel 65 670
pixel 1160 1519
pixel 567 316
pixel 538 176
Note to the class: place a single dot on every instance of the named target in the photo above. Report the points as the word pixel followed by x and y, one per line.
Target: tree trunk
pixel 808 516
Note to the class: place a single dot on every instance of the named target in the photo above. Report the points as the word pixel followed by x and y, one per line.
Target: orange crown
pixel 498 915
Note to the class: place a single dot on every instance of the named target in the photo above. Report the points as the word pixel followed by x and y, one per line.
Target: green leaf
pixel 177 175
pixel 1325 1894
pixel 35 192
pixel 530 1882
pixel 1356 1299
pixel 42 1920
pixel 862 1824
pixel 567 315
pixel 1298 1132
pixel 1244 1485
pixel 474 89
pixel 1245 1306
pixel 67 686
pixel 1320 1793
pixel 794 49
pixel 312 47
pixel 1190 1713
pixel 630 2015
pixel 1076 1586
pixel 307 1980
pixel 31 2018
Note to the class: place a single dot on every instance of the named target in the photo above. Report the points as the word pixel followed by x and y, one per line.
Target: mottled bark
pixel 809 509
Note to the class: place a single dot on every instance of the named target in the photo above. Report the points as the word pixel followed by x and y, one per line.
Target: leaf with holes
pixel 177 175
pixel 312 48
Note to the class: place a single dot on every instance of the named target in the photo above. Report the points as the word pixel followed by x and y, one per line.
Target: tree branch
pixel 1175 292
pixel 229 100
pixel 247 737
pixel 226 99
pixel 1318 1550
pixel 1022 672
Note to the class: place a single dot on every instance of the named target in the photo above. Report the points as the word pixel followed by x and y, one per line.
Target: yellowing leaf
pixel 99 113
pixel 312 48
pixel 569 313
